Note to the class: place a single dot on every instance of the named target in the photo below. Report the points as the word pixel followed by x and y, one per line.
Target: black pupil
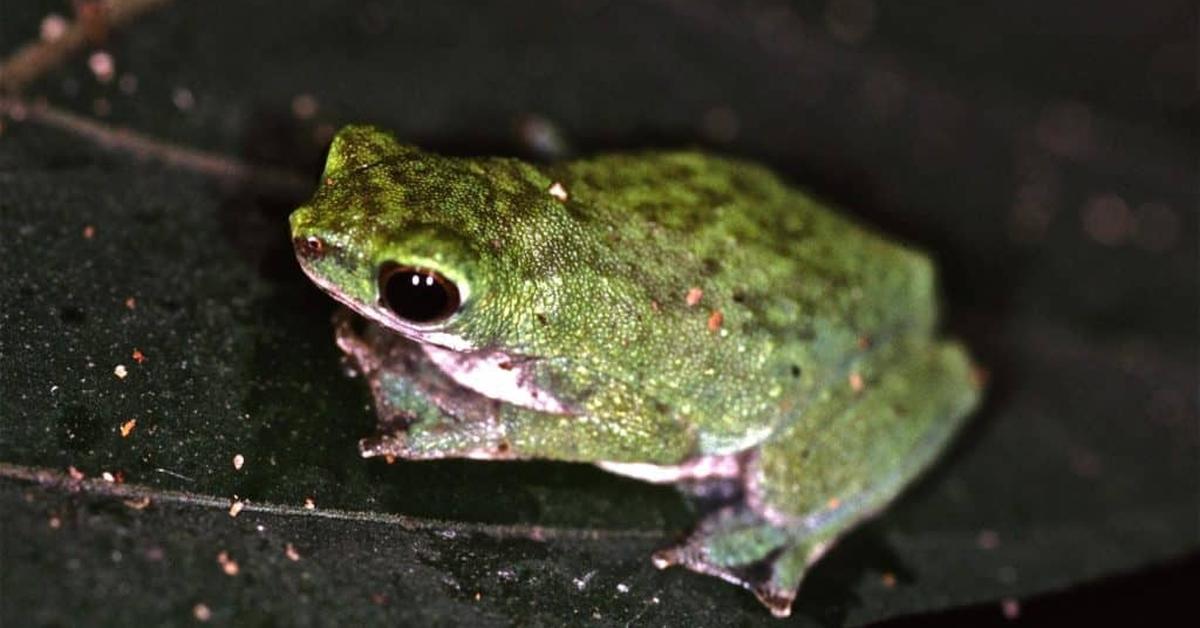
pixel 419 296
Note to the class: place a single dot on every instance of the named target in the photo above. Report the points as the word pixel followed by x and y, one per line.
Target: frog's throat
pixel 495 375
pixel 382 318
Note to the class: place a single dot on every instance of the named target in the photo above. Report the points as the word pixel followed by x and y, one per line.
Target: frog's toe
pixel 668 557
pixel 778 601
pixel 739 546
pixel 778 590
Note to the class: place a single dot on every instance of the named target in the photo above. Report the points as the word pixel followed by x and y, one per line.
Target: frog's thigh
pixel 855 450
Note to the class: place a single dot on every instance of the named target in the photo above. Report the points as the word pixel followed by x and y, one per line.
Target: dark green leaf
pixel 1083 462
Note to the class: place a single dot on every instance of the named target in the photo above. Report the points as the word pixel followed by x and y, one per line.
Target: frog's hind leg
pixel 736 543
pixel 740 546
pixel 850 454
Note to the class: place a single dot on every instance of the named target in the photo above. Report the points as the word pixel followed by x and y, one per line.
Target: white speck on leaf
pixel 581 583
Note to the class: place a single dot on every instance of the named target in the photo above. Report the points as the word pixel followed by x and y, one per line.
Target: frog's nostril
pixel 310 247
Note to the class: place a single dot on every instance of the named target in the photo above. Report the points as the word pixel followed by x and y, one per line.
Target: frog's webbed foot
pixel 740 546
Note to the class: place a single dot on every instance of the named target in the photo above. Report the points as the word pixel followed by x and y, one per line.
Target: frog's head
pixel 410 239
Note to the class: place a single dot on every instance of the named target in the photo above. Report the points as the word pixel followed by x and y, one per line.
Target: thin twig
pixel 57 480
pixel 146 147
pixel 40 56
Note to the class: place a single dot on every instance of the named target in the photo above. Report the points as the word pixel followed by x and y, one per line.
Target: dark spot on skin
pixel 502 447
pixel 541 318
pixel 506 365
pixel 739 297
pixel 795 371
pixel 72 315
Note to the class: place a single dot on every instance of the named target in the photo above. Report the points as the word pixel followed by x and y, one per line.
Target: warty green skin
pixel 691 318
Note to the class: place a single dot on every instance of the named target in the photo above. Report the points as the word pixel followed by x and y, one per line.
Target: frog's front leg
pixel 843 460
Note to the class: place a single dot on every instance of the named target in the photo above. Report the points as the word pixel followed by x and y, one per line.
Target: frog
pixel 674 316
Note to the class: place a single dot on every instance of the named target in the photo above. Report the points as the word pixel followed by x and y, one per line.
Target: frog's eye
pixel 417 295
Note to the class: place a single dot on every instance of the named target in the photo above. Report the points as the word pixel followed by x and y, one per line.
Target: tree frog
pixel 676 317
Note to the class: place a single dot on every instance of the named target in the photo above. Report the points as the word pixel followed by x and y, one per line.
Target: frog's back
pixel 807 290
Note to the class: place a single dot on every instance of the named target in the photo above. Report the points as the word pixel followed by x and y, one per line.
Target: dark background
pixel 1045 155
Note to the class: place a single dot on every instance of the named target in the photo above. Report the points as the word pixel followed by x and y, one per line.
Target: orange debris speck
pixel 889 579
pixel 89 232
pixel 856 382
pixel 138 504
pixel 102 66
pixel 833 503
pixel 309 503
pixel 390 459
pixel 138 356
pixel 715 319
pixel 201 612
pixel 290 551
pixel 236 508
pixel 53 27
pixel 130 303
pixel 693 296
pixel 55 522
pixel 75 474
pixel 127 427
pixel 228 565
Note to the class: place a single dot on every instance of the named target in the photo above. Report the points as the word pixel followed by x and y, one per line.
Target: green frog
pixel 673 316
